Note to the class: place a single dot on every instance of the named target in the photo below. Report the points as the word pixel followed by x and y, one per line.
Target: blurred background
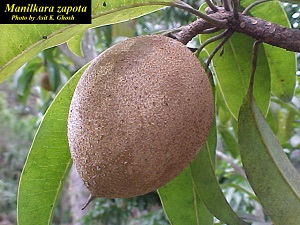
pixel 25 97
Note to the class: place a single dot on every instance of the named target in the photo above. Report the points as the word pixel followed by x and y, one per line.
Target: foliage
pixel 241 123
pixel 267 159
pixel 16 121
pixel 138 210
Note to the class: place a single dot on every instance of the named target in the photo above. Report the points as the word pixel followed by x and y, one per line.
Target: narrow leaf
pixel 180 198
pixel 207 185
pixel 232 70
pixel 48 162
pixel 182 203
pixel 125 29
pixel 273 178
pixel 204 178
pixel 22 42
pixel 230 141
pixel 74 44
pixel 283 80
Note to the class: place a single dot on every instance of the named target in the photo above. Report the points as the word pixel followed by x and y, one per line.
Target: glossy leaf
pixel 48 162
pixel 24 79
pixel 181 201
pixel 207 185
pixel 125 29
pixel 282 63
pixel 54 75
pixel 22 42
pixel 273 178
pixel 74 44
pixel 232 70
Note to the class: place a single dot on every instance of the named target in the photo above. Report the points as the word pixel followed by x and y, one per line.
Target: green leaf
pixel 124 29
pixel 48 162
pixel 23 79
pixel 182 203
pixel 207 185
pixel 289 127
pixel 273 178
pixel 204 178
pixel 53 75
pixel 282 63
pixel 74 44
pixel 230 141
pixel 232 70
pixel 22 42
pixel 273 118
pixel 180 198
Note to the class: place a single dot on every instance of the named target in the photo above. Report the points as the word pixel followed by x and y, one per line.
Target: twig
pixel 88 48
pixel 253 4
pixel 227 5
pixel 182 5
pixel 211 5
pixel 210 30
pixel 236 8
pixel 187 7
pixel 228 35
pixel 212 39
pixel 254 63
pixel 88 45
pixel 259 29
pixel 78 61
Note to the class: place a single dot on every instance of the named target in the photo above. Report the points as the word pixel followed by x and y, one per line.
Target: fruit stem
pixel 253 4
pixel 90 199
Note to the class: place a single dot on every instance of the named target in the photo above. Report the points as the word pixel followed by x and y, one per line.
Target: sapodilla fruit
pixel 138 117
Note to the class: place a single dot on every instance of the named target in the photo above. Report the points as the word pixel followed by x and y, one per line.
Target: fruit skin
pixel 138 117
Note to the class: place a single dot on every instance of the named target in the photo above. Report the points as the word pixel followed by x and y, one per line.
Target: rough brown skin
pixel 138 117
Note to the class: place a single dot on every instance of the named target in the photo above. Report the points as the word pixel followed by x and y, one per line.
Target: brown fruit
pixel 138 117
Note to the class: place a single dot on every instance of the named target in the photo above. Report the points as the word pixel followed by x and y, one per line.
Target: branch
pixel 88 49
pixel 199 26
pixel 88 45
pixel 78 61
pixel 267 32
pixel 254 27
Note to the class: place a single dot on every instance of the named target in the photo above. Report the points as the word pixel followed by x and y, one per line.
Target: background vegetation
pixel 25 97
